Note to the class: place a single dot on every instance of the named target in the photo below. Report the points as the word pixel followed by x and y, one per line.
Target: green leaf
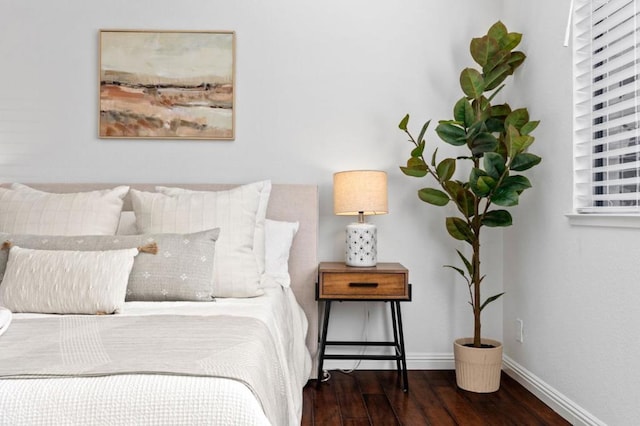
pixel 459 270
pixel 516 183
pixel 464 202
pixel 433 158
pixel 418 150
pixel 506 40
pixel 505 197
pixel 502 110
pixel 404 122
pixel 433 196
pixel 516 59
pixel 416 163
pixel 459 229
pixel 463 112
pixel 529 127
pixel 446 169
pixel 510 135
pixel 512 41
pixel 521 143
pixel 496 218
pixel 483 48
pixel 494 165
pixel 466 262
pixel 423 131
pixel 413 172
pixel 500 58
pixel 494 125
pixel 472 83
pixel 475 129
pixel 495 93
pixel 415 167
pixel 451 133
pixel 480 182
pixel 481 103
pixel 502 148
pixel 484 142
pixel 489 300
pixel 453 187
pixel 498 31
pixel 517 118
pixel 497 76
pixel 485 185
pixel 524 161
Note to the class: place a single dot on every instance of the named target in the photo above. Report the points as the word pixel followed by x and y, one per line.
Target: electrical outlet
pixel 519 330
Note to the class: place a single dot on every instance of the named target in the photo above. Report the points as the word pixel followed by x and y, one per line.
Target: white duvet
pixel 168 399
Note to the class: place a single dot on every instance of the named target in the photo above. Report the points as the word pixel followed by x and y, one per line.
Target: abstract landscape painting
pixel 167 84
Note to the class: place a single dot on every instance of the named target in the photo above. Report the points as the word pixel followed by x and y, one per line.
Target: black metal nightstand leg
pixel 396 339
pixel 323 340
pixel 405 378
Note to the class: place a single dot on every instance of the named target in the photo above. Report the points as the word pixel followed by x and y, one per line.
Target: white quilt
pixel 168 399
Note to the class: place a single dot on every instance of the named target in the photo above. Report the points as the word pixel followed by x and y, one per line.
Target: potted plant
pixel 496 139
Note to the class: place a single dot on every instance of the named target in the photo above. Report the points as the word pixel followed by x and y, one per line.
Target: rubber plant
pixel 496 139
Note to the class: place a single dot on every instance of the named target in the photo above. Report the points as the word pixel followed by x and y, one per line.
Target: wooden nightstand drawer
pixel 385 281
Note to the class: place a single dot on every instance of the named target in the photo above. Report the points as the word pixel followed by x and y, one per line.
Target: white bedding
pixel 167 399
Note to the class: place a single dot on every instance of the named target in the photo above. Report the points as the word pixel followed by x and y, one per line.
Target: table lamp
pixel 360 193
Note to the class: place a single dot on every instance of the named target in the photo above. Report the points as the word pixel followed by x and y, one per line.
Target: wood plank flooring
pixel 367 397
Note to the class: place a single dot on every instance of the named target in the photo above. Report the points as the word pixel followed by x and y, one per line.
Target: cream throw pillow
pixel 24 210
pixel 236 212
pixel 66 282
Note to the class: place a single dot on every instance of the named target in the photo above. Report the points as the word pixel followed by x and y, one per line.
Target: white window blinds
pixel 607 107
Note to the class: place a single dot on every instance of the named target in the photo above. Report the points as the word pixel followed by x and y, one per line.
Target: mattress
pixel 145 399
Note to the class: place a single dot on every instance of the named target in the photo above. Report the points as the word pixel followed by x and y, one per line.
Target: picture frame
pixel 163 84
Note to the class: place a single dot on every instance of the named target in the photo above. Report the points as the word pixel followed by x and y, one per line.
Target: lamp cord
pixel 326 374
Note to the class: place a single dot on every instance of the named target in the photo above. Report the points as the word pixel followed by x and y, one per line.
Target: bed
pixel 225 361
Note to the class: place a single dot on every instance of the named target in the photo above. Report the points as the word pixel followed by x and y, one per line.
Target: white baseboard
pixel 415 361
pixel 568 409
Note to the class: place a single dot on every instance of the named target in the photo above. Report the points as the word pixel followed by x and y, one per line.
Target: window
pixel 607 106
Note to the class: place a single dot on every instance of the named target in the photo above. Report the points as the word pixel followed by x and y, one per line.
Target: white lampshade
pixel 360 193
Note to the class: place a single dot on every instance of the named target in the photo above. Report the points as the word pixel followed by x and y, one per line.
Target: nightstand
pixel 385 282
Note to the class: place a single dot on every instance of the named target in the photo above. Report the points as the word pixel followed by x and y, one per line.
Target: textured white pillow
pixel 237 212
pixel 258 237
pixel 24 210
pixel 66 282
pixel 278 239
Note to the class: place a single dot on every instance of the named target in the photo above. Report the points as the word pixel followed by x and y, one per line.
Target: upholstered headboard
pixel 287 202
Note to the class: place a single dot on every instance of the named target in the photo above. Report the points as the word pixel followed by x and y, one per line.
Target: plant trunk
pixel 476 271
pixel 476 292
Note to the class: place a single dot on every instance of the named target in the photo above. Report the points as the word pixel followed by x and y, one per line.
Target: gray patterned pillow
pixel 181 270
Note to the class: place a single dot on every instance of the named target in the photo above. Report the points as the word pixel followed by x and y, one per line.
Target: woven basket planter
pixel 478 369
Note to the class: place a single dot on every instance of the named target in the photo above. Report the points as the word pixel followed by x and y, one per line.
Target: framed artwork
pixel 167 84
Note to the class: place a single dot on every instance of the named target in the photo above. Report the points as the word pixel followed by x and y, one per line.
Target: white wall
pixel 580 316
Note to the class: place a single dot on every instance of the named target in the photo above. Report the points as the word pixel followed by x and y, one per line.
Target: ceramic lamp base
pixel 361 245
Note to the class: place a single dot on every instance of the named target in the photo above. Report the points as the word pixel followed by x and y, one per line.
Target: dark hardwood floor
pixel 375 398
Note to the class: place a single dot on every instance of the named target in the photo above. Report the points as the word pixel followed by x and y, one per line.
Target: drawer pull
pixel 363 284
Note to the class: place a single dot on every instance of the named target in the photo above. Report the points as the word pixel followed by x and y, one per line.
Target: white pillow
pixel 24 210
pixel 237 212
pixel 278 239
pixel 66 282
pixel 258 237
